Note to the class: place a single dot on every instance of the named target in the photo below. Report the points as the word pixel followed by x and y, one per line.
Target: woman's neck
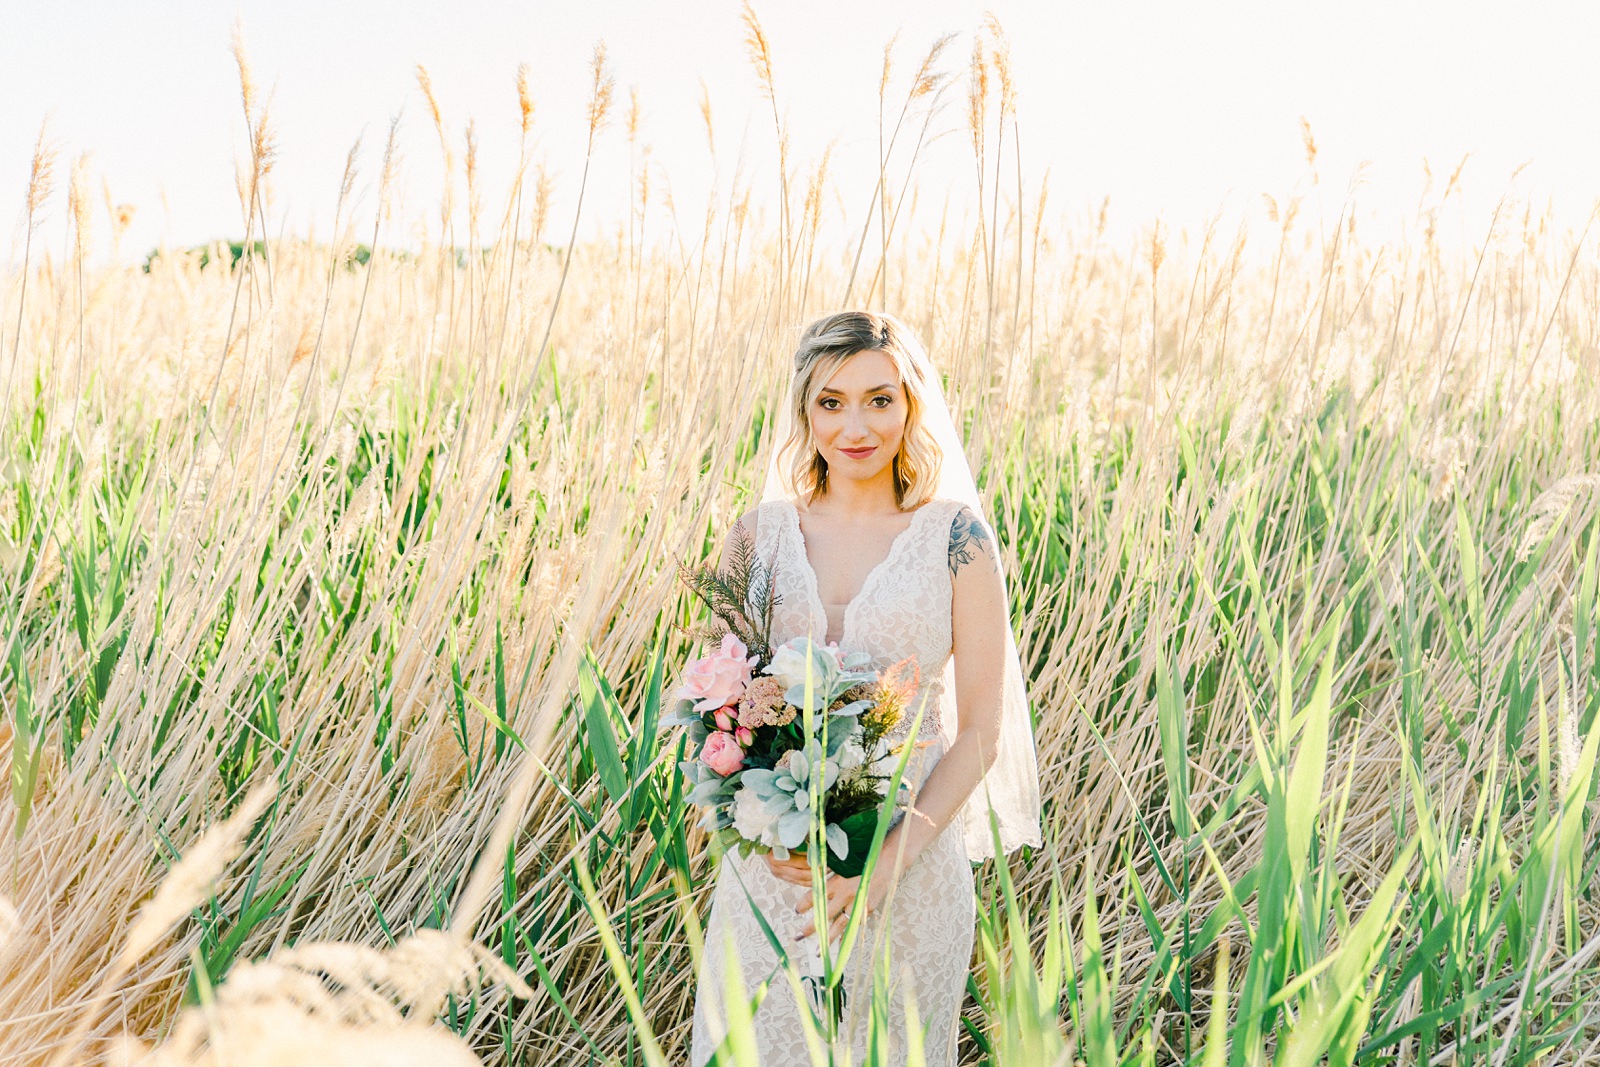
pixel 872 497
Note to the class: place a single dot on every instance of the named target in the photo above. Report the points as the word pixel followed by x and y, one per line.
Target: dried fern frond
pixel 740 594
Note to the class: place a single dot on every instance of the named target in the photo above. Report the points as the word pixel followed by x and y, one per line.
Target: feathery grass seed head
pixel 186 885
pixel 1000 57
pixel 41 174
pixel 977 93
pixel 247 81
pixel 524 99
pixel 759 49
pixel 600 93
pixel 705 116
pixel 78 200
pixel 929 78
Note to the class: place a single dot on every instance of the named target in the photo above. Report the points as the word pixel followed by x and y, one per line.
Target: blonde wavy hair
pixel 824 347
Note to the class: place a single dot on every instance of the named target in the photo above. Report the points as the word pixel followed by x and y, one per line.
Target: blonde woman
pixel 871 525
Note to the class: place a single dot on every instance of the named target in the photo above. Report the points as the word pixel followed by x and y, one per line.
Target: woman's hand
pixel 794 870
pixel 841 895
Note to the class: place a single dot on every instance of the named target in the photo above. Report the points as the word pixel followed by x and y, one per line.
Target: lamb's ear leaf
pixel 858 830
pixel 796 695
pixel 792 828
pixel 838 842
pixel 682 714
pixel 759 779
pixel 711 789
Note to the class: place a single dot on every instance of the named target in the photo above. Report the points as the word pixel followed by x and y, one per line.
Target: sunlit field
pixel 340 583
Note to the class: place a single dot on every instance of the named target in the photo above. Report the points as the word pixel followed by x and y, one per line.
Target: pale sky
pixel 1173 110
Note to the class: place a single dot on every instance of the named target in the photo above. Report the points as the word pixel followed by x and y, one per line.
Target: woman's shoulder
pixel 766 509
pixel 955 512
pixel 969 536
pixel 749 523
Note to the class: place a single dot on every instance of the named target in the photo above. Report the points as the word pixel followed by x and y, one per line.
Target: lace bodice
pixel 902 609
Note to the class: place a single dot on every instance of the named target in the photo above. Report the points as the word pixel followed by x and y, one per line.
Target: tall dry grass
pixel 347 529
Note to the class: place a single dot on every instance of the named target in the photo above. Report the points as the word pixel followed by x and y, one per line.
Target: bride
pixel 871 526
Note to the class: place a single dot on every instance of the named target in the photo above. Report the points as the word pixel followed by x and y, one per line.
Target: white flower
pixel 788 664
pixel 754 818
pixel 832 671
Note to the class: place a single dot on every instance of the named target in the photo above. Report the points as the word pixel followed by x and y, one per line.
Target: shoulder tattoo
pixel 968 536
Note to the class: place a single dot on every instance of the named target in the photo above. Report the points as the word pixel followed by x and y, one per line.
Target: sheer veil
pixel 1009 791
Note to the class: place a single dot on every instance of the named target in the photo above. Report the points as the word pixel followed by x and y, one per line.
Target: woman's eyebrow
pixel 888 387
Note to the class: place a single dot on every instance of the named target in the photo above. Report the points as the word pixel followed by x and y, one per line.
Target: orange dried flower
pixel 891 695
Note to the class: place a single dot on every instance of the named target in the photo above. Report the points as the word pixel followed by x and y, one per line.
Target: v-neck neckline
pixel 819 610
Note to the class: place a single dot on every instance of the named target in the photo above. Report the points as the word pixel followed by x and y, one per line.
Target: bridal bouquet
pixel 782 737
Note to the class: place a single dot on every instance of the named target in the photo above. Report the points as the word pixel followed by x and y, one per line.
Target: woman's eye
pixel 829 404
pixel 886 401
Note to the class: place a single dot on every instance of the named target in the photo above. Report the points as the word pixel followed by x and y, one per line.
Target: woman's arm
pixel 978 622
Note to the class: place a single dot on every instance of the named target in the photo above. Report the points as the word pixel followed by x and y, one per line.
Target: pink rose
pixel 722 753
pixel 745 736
pixel 725 721
pixel 718 679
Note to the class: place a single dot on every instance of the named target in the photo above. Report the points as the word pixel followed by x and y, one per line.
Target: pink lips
pixel 859 453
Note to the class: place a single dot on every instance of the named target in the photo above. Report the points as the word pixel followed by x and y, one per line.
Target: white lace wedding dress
pixel 925 934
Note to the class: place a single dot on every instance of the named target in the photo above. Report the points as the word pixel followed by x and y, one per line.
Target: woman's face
pixel 859 417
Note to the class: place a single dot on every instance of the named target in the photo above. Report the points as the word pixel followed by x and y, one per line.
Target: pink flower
pixel 724 720
pixel 719 678
pixel 745 736
pixel 722 753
